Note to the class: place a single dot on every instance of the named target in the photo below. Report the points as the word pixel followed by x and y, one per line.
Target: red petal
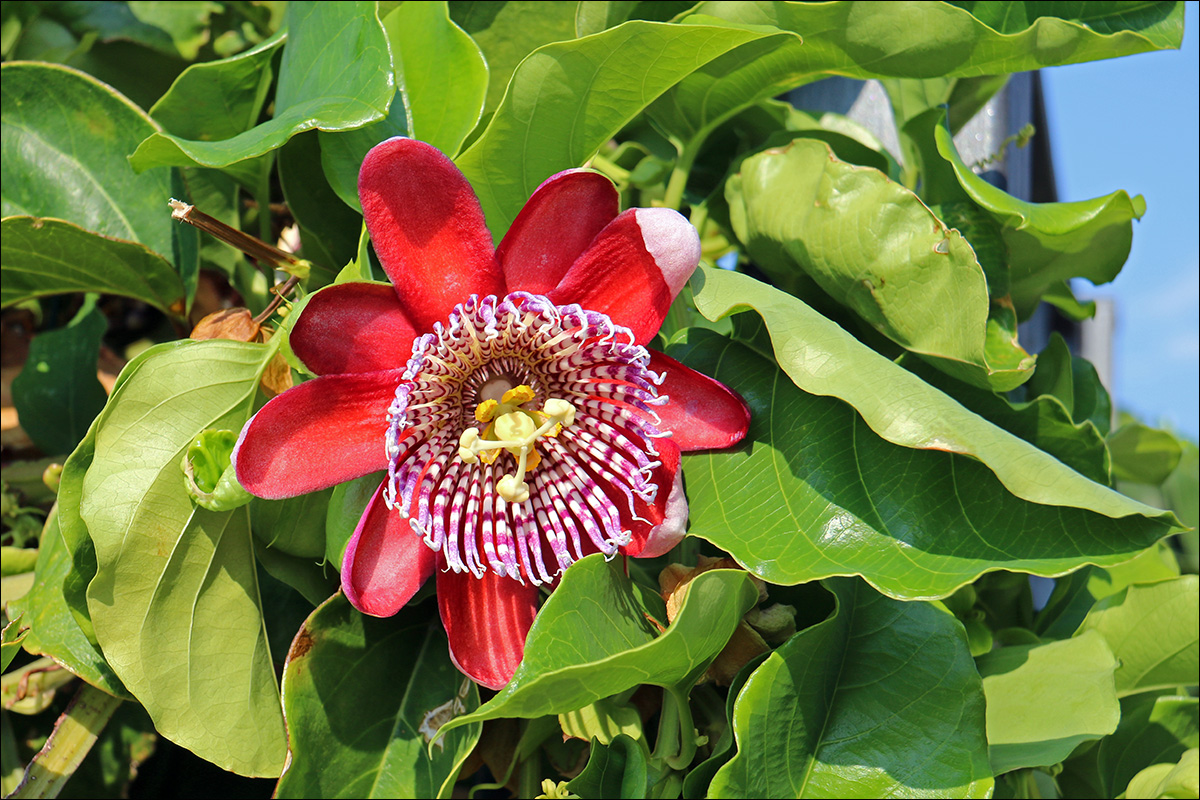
pixel 353 327
pixel 427 228
pixel 702 413
pixel 554 228
pixel 634 269
pixel 385 562
pixel 318 434
pixel 662 523
pixel 487 620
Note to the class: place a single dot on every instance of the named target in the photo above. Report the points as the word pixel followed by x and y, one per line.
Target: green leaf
pixel 295 526
pixel 441 71
pixel 800 210
pixel 1048 243
pixel 53 630
pixel 930 40
pixel 66 124
pixel 1075 594
pixel 916 523
pixel 603 720
pixel 508 32
pixel 335 75
pixel 1143 454
pixel 364 698
pixel 881 699
pixel 1152 629
pixel 1043 421
pixel 14 633
pixel 17 560
pixel 882 40
pixel 57 393
pixel 1043 700
pixel 1168 780
pixel 175 601
pixel 217 100
pixel 823 359
pixel 613 770
pixel 187 23
pixel 592 639
pixel 346 506
pixel 329 228
pixel 48 256
pixel 1153 729
pixel 81 552
pixel 552 117
pixel 1073 382
pixel 695 785
pixel 312 581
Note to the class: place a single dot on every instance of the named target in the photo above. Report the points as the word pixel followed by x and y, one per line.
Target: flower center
pixel 521 435
pixel 514 429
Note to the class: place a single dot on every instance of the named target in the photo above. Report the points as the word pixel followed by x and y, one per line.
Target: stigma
pixel 514 429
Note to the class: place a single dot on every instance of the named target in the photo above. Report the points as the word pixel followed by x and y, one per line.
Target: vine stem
pixel 70 741
pixel 679 175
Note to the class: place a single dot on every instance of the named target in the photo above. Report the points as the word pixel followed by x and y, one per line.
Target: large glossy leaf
pixel 1153 729
pixel 593 639
pixel 175 601
pixel 218 100
pixel 1044 421
pixel 66 124
pixel 873 246
pixel 1043 700
pixel 1153 631
pixel 926 40
pixel 53 629
pixel 915 523
pixel 441 72
pixel 48 256
pixel 823 359
pixel 1144 454
pixel 335 75
pixel 507 32
pixel 552 119
pixel 881 40
pixel 880 700
pixel 363 698
pixel 57 393
pixel 1048 243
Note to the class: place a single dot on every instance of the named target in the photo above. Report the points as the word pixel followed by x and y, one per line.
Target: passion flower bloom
pixel 508 394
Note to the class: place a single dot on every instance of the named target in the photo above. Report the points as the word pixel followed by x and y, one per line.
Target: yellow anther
pixel 532 460
pixel 512 489
pixel 486 410
pixel 560 411
pixel 518 395
pixel 466 445
pixel 515 426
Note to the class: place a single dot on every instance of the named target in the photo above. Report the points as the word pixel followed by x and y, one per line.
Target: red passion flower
pixel 508 393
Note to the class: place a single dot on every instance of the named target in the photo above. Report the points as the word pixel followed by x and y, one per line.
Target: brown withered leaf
pixel 277 377
pixel 236 324
pixel 743 645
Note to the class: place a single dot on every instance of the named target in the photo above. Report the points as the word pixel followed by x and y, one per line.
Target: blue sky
pixel 1132 124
